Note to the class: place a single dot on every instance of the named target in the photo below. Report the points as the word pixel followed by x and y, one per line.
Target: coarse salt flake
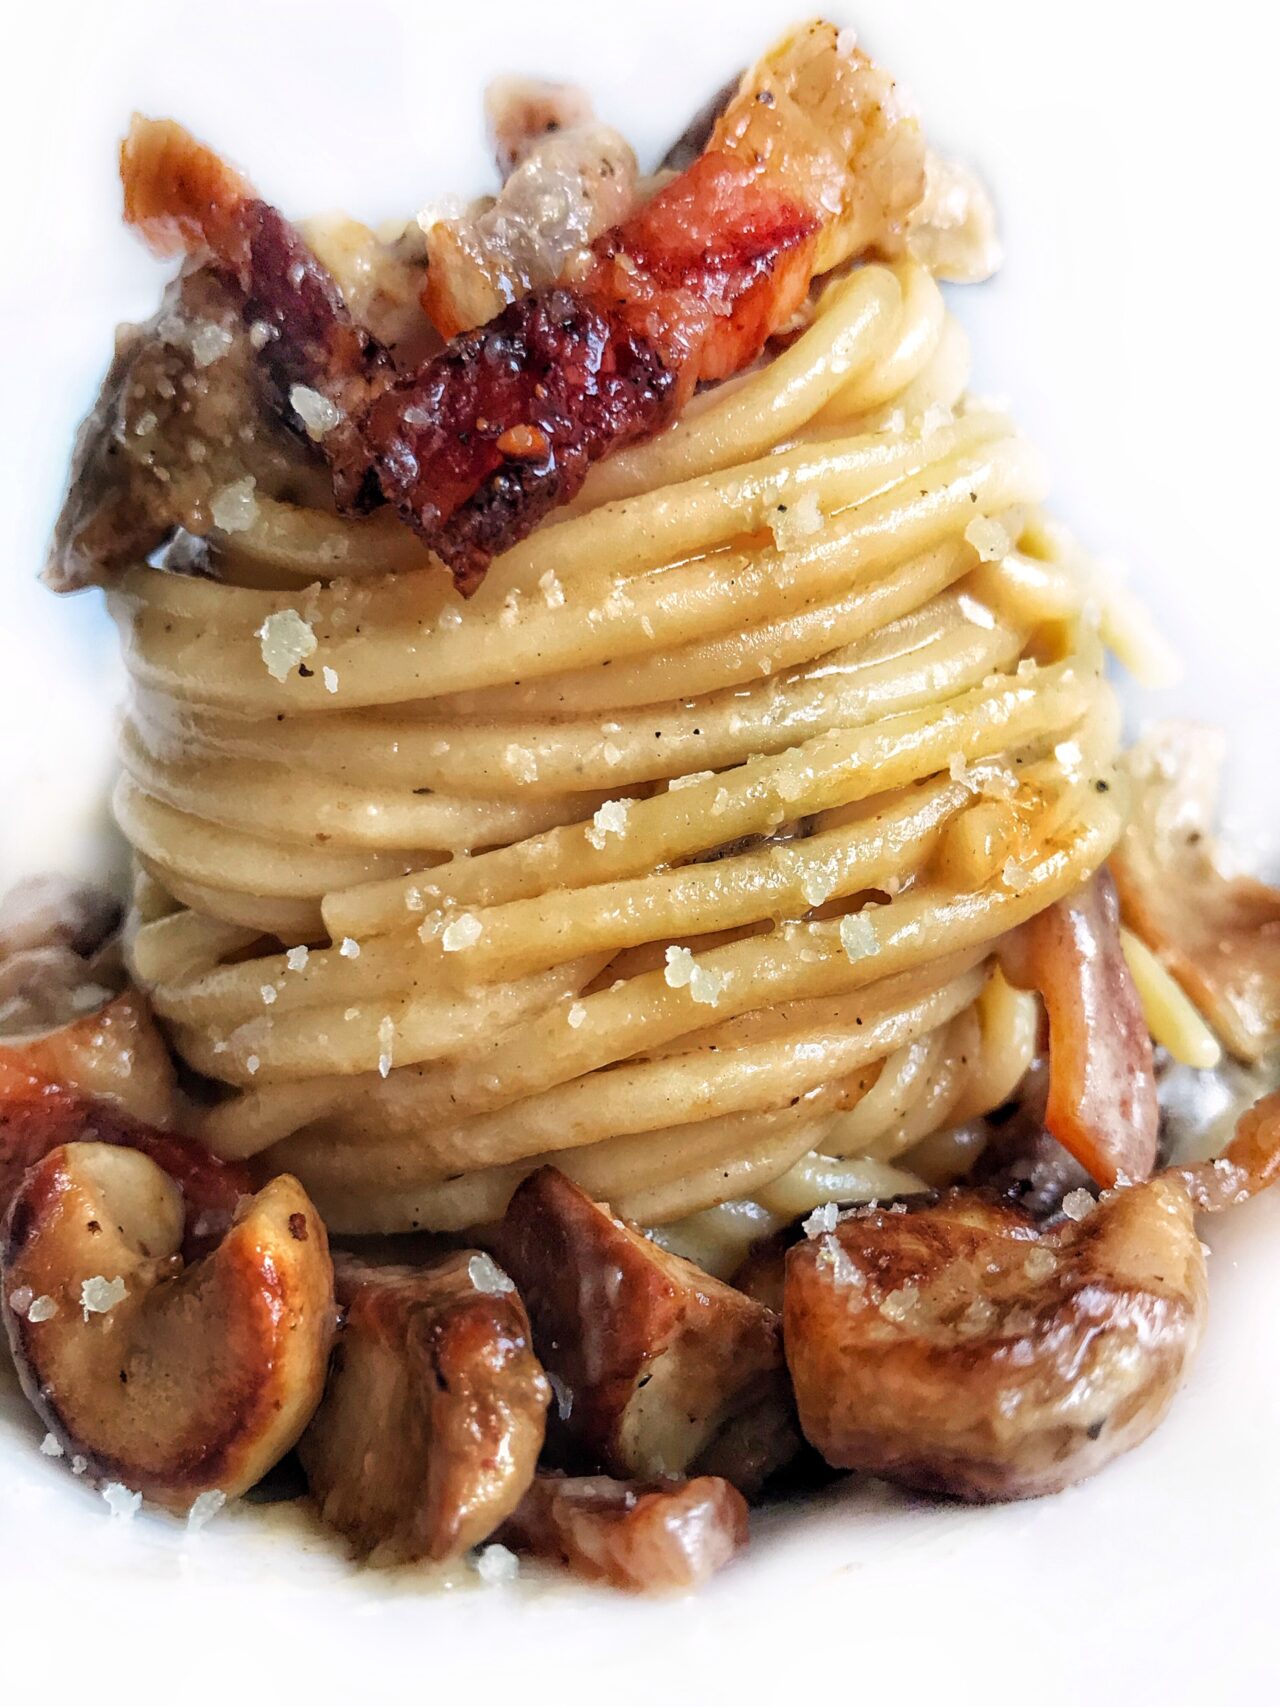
pixel 610 819
pixel 286 641
pixel 823 1220
pixel 98 1295
pixel 234 506
pixel 330 678
pixel 496 1564
pixel 268 993
pixel 51 1446
pixel 817 886
pixel 792 524
pixel 858 936
pixel 1040 1262
pixel 989 538
pixel 386 1040
pixel 577 1015
pixel 123 1501
pixel 252 1063
pixel 349 948
pixel 551 590
pixel 79 1465
pixel 297 957
pixel 706 986
pixel 680 967
pixel 20 1300
pixel 843 1270
pixel 205 1506
pixel 901 1303
pixel 209 343
pixel 521 762
pixel 485 1275
pixel 690 781
pixel 1077 1204
pixel 314 410
pixel 462 932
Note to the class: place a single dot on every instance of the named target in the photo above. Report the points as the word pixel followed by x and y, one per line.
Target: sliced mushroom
pixel 115 1053
pixel 645 1536
pixel 1218 935
pixel 175 1380
pixel 1102 1088
pixel 957 1349
pixel 657 1357
pixel 38 1114
pixel 433 1418
pixel 963 1348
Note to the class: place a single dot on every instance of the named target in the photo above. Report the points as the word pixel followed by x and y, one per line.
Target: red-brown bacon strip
pixel 1102 1093
pixel 815 160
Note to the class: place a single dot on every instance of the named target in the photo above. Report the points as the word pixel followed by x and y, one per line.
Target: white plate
pixel 1134 328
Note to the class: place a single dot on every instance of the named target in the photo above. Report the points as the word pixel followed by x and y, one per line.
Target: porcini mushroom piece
pixel 658 1356
pixel 646 1536
pixel 175 1380
pixel 433 1419
pixel 38 1115
pixel 116 1053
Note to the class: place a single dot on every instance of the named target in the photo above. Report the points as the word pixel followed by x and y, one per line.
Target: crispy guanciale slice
pixel 967 1348
pixel 649 1537
pixel 433 1418
pixel 1218 934
pixel 174 1380
pixel 814 161
pixel 656 1357
pixel 1102 1085
pixel 39 1114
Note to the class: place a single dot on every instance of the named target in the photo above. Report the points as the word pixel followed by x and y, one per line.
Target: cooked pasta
pixel 677 854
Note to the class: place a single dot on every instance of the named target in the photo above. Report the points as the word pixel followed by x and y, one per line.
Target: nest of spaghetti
pixel 647 957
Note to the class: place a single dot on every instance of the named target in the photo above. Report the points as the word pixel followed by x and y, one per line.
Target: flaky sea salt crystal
pixel 349 948
pixel 1012 874
pixel 209 343
pixel 314 410
pixel 268 993
pixel 521 762
pixel 234 507
pixel 936 416
pixel 817 886
pixel 706 986
pixel 386 1041
pixel 1040 1262
pixel 204 1507
pixel 822 1220
pixel 901 1304
pixel 330 678
pixel 577 1015
pixel 978 1317
pixel 51 1446
pixel 485 1275
pixel 123 1501
pixel 793 523
pixel 610 819
pixel 286 641
pixel 551 590
pixel 261 333
pixel 680 967
pixel 837 1261
pixel 496 1564
pixel 989 538
pixel 20 1300
pixel 79 1465
pixel 858 936
pixel 690 781
pixel 1070 755
pixel 1077 1204
pixel 252 1063
pixel 98 1295
pixel 297 957
pixel 462 932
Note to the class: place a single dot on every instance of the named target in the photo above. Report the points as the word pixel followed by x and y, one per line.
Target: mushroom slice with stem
pixel 433 1418
pixel 657 1359
pixel 39 1114
pixel 961 1347
pixel 646 1536
pixel 174 1380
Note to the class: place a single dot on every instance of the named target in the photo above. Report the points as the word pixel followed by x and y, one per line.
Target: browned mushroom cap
pixel 647 1536
pixel 656 1356
pixel 172 1380
pixel 433 1419
pixel 115 1052
pixel 956 1348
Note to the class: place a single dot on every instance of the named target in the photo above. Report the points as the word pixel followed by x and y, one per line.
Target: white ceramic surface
pixel 1132 149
